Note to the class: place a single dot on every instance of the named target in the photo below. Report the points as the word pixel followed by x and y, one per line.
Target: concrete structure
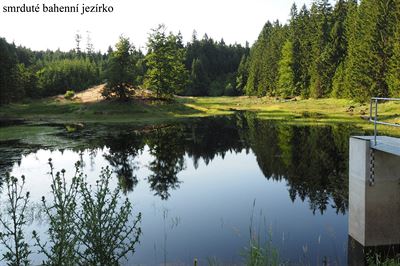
pixel 374 191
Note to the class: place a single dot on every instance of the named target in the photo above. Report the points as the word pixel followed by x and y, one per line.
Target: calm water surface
pixel 197 185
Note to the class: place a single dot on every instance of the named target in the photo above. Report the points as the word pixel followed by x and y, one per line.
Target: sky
pixel 236 21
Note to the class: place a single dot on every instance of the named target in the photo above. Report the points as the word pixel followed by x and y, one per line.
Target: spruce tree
pixel 199 79
pixel 286 74
pixel 121 74
pixel 305 50
pixel 296 30
pixel 371 49
pixel 10 75
pixel 264 59
pixel 256 60
pixel 339 47
pixel 393 77
pixel 320 68
pixel 352 34
pixel 242 74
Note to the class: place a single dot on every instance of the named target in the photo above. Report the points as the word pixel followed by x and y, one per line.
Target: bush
pixel 229 90
pixel 86 225
pixel 69 94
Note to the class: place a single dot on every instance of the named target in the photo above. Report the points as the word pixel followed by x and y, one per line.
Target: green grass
pixel 305 112
pixel 376 260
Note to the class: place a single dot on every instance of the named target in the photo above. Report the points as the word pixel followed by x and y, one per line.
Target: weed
pixel 14 222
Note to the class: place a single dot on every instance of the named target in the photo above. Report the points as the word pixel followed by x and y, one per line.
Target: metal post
pixel 370 110
pixel 376 117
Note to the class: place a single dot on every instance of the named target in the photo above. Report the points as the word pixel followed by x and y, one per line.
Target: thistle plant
pixel 105 232
pixel 87 225
pixel 13 222
pixel 61 212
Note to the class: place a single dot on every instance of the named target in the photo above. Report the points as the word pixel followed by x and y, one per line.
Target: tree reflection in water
pixel 165 145
pixel 123 148
pixel 311 159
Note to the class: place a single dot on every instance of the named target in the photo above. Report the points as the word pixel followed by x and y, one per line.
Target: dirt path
pixel 90 95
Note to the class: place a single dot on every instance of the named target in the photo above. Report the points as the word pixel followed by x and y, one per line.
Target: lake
pixel 204 184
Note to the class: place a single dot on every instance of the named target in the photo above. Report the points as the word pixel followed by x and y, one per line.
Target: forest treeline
pixel 348 50
pixel 34 74
pixel 201 67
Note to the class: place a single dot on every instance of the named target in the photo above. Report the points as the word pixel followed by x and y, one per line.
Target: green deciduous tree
pixel 166 73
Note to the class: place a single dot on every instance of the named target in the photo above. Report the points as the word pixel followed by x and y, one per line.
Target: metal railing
pixel 374 102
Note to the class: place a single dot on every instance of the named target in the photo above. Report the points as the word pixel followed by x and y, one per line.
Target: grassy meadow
pixel 145 111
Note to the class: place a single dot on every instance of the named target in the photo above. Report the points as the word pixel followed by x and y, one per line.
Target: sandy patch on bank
pixel 90 95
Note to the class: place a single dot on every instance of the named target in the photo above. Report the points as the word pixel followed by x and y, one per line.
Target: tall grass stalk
pixel 375 259
pixel 260 253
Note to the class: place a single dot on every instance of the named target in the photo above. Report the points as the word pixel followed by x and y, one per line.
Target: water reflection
pixel 122 150
pixel 165 146
pixel 206 173
pixel 312 160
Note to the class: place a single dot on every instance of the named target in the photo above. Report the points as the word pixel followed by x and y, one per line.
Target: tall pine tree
pixel 339 46
pixel 166 73
pixel 320 69
pixel 121 74
pixel 264 60
pixel 286 81
pixel 371 49
pixel 393 77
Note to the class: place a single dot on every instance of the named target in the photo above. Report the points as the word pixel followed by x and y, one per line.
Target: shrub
pixel 104 230
pixel 69 94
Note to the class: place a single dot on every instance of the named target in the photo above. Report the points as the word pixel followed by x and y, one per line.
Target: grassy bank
pixel 311 111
